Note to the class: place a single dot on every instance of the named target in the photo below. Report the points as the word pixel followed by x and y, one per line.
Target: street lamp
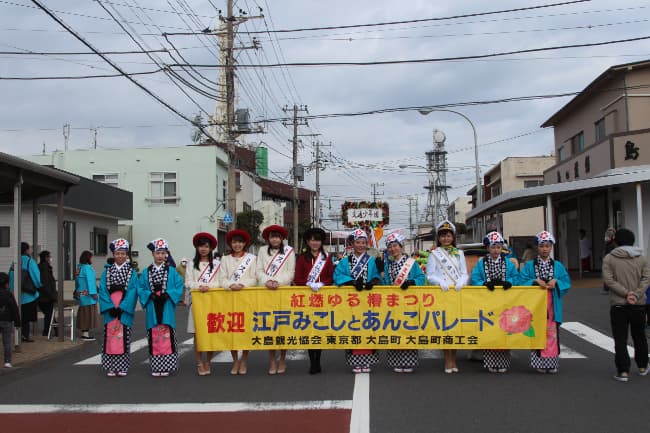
pixel 425 111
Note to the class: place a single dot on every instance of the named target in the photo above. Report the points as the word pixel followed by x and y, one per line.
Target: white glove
pixel 457 287
pixel 444 287
pixel 315 286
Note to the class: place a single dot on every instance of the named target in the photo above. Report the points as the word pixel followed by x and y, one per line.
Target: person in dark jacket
pixel 48 291
pixel 9 317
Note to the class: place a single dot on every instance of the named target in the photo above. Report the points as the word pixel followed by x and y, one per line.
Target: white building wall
pixel 200 171
pixel 629 208
pixel 47 236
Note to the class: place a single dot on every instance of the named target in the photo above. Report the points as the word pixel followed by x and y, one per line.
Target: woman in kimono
pixel 118 294
pixel 237 271
pixel 315 269
pixel 403 271
pixel 160 290
pixel 201 275
pixel 276 266
pixel 446 267
pixel 551 275
pixel 491 271
pixel 86 294
pixel 360 271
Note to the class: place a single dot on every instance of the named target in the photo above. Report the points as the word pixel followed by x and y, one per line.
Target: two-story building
pixel 511 174
pixel 602 165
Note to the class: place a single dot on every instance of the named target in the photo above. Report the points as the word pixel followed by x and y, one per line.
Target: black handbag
pixel 26 283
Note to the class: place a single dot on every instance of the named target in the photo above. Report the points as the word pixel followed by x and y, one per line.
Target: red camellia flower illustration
pixel 515 320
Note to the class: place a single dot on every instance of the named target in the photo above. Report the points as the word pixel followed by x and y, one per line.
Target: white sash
pixel 446 264
pixel 403 273
pixel 278 260
pixel 317 268
pixel 241 269
pixel 207 276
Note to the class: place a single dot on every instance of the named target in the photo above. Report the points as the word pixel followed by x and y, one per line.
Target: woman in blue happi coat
pixel 118 294
pixel 28 301
pixel 160 289
pixel 403 271
pixel 491 271
pixel 359 270
pixel 551 275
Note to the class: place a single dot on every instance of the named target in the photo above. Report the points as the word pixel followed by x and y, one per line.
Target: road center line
pixel 360 417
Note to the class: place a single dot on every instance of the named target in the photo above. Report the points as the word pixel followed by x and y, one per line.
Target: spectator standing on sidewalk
pixel 627 274
pixel 86 294
pixel 30 287
pixel 48 291
pixel 9 317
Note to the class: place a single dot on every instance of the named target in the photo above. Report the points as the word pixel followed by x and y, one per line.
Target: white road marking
pixel 568 353
pixel 430 354
pixel 360 417
pixel 97 359
pixel 592 336
pixel 175 407
pixel 224 357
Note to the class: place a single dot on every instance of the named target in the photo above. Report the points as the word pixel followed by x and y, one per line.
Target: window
pixel 559 178
pixel 109 179
pixel 247 207
pixel 163 188
pixel 577 143
pixel 224 192
pixel 562 154
pixel 576 170
pixel 99 241
pixel 4 237
pixel 533 183
pixel 600 130
pixel 587 165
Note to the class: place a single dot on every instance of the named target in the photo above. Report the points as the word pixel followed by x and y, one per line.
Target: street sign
pixel 227 218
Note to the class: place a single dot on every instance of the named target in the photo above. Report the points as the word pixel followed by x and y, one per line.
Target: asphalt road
pixel 61 395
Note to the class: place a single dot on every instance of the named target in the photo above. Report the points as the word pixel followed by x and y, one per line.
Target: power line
pixel 117 68
pixel 70 53
pixel 421 20
pixel 83 77
pixel 430 60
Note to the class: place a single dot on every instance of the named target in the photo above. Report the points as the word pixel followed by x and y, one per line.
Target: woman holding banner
pixel 201 274
pixel 236 272
pixel 118 294
pixel 161 288
pixel 276 266
pixel 360 271
pixel 403 271
pixel 495 270
pixel 446 267
pixel 551 275
pixel 314 268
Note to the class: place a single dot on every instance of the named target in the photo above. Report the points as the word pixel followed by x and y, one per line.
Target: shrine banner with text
pixel 386 317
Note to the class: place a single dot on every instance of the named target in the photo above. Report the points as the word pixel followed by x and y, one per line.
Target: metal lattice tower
pixel 437 201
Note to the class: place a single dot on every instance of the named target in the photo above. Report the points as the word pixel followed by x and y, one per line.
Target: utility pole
pixel 297 171
pixel 94 132
pixel 66 136
pixel 230 114
pixel 374 191
pixel 318 169
pixel 228 60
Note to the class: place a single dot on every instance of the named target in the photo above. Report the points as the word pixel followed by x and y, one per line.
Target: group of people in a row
pixel 160 289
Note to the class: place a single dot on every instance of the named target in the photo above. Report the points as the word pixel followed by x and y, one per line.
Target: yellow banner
pixel 422 317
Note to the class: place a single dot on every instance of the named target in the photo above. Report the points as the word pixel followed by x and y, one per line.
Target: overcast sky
pixel 365 149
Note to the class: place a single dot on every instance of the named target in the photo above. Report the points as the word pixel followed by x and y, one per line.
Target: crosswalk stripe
pixel 577 328
pixel 592 336
pixel 97 359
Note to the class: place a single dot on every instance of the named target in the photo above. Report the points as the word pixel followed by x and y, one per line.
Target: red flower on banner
pixel 516 319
